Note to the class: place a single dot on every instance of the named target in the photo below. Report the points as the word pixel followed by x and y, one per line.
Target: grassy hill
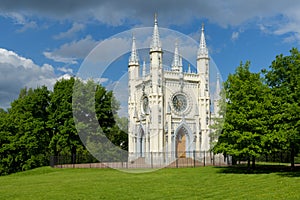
pixel 182 183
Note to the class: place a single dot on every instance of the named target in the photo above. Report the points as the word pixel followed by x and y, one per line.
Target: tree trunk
pixel 292 155
pixel 55 157
pixel 253 162
pixel 73 152
pixel 248 164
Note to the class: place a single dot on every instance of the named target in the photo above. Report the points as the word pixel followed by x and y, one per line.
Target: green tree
pixel 79 111
pixel 283 78
pixel 122 123
pixel 95 112
pixel 245 121
pixel 41 123
pixel 25 131
pixel 64 136
pixel 217 121
pixel 5 137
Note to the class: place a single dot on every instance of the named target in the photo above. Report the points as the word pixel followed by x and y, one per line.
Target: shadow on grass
pixel 262 169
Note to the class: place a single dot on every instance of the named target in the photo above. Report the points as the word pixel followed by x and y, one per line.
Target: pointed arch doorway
pixel 181 140
pixel 141 143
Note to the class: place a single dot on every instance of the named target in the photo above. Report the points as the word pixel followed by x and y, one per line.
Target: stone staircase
pixel 180 162
pixel 185 162
pixel 140 160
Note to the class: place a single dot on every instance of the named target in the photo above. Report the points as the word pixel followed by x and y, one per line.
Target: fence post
pixel 194 155
pixel 73 159
pixel 51 161
pixel 204 159
pixel 59 161
pixel 151 153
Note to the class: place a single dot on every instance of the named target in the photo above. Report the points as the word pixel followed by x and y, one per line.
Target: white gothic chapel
pixel 169 111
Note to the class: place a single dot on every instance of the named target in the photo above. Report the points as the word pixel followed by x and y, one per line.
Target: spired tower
pixel 169 110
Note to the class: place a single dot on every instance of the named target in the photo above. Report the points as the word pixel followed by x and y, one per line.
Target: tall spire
pixel 202 51
pixel 177 60
pixel 134 58
pixel 155 45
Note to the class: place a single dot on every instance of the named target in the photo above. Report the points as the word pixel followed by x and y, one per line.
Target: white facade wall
pixel 165 104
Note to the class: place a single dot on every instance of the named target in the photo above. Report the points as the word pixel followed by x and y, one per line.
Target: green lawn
pixel 182 183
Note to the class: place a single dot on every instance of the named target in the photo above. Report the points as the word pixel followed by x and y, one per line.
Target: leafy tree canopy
pixel 40 123
pixel 246 111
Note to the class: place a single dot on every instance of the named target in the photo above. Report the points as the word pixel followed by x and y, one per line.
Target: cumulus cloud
pixel 235 36
pixel 71 32
pixel 101 80
pixel 21 20
pixel 17 72
pixel 65 77
pixel 65 69
pixel 71 52
pixel 229 13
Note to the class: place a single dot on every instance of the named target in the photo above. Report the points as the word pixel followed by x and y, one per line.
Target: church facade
pixel 169 111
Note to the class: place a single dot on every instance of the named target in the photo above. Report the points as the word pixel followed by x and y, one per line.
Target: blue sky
pixel 41 42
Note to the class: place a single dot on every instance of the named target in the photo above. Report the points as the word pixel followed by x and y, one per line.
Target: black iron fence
pixel 276 158
pixel 144 160
pixel 279 157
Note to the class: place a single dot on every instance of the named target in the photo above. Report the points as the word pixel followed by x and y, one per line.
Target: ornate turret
pixel 177 60
pixel 156 54
pixel 203 59
pixel 133 63
pixel 134 59
pixel 202 51
pixel 155 44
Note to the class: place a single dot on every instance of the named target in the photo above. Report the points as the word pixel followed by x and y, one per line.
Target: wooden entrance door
pixel 180 146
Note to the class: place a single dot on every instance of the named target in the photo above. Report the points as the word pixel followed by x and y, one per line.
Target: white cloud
pixel 101 80
pixel 232 12
pixel 108 48
pixel 17 18
pixel 17 72
pixel 66 70
pixel 71 52
pixel 26 26
pixel 59 58
pixel 76 27
pixel 290 30
pixel 235 36
pixel 21 20
pixel 65 77
pixel 229 13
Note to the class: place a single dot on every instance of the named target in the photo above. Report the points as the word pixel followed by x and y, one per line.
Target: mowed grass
pixel 182 183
